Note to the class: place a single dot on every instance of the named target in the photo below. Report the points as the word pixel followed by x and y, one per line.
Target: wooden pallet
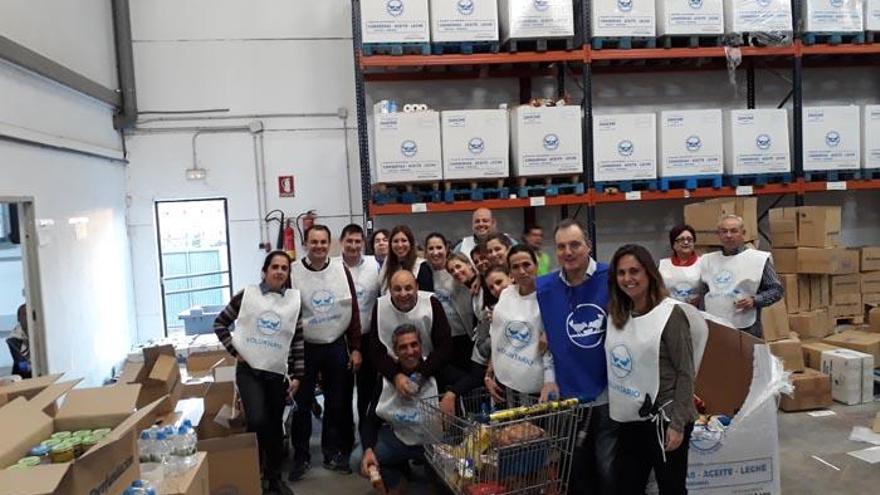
pixel 369 49
pixel 627 186
pixel 420 192
pixel 465 47
pixel 832 175
pixel 690 182
pixel 540 45
pixel 475 190
pixel 623 42
pixel 833 38
pixel 758 179
pixel 691 40
pixel 549 186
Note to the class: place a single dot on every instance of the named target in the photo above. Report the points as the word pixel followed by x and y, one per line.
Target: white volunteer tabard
pixel 515 332
pixel 326 301
pixel 730 278
pixel 389 318
pixel 265 327
pixel 456 301
pixel 404 415
pixel 365 276
pixel 683 282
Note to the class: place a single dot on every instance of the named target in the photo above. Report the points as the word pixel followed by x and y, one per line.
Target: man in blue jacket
pixel 573 302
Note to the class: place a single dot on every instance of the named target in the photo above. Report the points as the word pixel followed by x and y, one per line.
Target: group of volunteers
pixel 624 338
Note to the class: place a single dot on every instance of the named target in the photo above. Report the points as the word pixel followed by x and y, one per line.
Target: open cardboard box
pixel 740 378
pixel 158 375
pixel 200 371
pixel 26 388
pixel 108 467
pixel 234 464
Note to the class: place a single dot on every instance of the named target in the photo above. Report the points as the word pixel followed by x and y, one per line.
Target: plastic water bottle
pixel 145 447
pixel 162 451
pixel 183 449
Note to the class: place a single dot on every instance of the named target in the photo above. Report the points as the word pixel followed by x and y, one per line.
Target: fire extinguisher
pixel 305 221
pixel 289 239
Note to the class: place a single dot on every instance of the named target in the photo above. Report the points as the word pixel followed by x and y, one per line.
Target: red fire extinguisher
pixel 289 239
pixel 305 221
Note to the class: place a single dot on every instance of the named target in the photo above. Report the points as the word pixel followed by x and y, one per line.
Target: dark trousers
pixel 462 350
pixel 594 460
pixel 367 382
pixel 337 383
pixel 263 394
pixel 640 452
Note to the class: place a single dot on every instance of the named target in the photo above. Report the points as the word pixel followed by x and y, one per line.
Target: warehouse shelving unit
pixel 582 62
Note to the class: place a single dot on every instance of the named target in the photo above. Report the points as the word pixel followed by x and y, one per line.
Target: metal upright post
pixel 750 85
pixel 587 130
pixel 797 102
pixel 361 100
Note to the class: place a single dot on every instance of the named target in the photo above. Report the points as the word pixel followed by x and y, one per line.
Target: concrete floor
pixel 800 437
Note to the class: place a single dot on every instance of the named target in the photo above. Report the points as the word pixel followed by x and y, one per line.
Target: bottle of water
pixel 145 447
pixel 186 449
pixel 162 451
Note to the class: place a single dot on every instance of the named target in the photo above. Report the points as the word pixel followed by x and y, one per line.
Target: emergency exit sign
pixel 285 186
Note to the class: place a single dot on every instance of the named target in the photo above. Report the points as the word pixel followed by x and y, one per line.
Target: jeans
pixel 368 381
pixel 394 456
pixel 640 452
pixel 593 466
pixel 337 381
pixel 263 394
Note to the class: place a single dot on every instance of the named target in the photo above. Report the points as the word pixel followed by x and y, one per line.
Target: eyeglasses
pixel 684 240
pixel 733 231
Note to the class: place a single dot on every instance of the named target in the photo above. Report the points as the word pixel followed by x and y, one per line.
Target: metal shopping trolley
pixel 490 448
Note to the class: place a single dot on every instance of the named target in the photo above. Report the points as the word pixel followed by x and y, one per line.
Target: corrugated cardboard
pixel 811 324
pixel 813 353
pixel 874 319
pixel 871 283
pixel 829 261
pixel 194 481
pixel 853 310
pixel 234 464
pixel 204 362
pixel 852 375
pixel 818 226
pixel 870 258
pixel 774 321
pixel 804 293
pixel 867 342
pixel 789 351
pixel 871 299
pixel 703 217
pixel 159 376
pixel 783 227
pixel 820 291
pixel 846 289
pixel 26 388
pixel 785 260
pixel 876 426
pixel 812 390
pixel 728 360
pixel 792 295
pixel 90 408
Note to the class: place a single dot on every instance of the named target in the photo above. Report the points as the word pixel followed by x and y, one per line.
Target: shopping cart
pixel 490 448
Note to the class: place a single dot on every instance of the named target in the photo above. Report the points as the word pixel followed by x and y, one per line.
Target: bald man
pixel 483 225
pixel 406 304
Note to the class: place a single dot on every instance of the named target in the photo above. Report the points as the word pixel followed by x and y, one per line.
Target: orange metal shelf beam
pixel 494 204
pixel 843 49
pixel 376 61
pixel 679 53
pixel 699 193
pixel 850 185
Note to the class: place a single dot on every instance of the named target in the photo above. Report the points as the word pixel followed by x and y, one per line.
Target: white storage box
pixel 395 21
pixel 546 141
pixel 617 18
pixel 464 20
pixel 531 19
pixel 753 16
pixel 852 375
pixel 476 144
pixel 625 147
pixel 871 136
pixel 872 15
pixel 408 147
pixel 691 143
pixel 833 16
pixel 756 142
pixel 688 17
pixel 832 139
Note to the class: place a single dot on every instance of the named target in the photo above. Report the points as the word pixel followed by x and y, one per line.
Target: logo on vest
pixel 394 7
pixel 323 301
pixel 723 278
pixel 518 333
pixel 406 416
pixel 621 361
pixel 586 326
pixel 361 293
pixel 681 291
pixel 269 323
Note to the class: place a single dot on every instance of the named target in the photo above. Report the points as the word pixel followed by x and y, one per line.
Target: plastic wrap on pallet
pixel 536 19
pixel 766 22
pixel 832 138
pixel 871 137
pixel 833 16
pixel 395 21
pixel 623 18
pixel 687 17
pixel 476 144
pixel 464 20
pixel 756 142
pixel 734 58
pixel 691 143
pixel 625 147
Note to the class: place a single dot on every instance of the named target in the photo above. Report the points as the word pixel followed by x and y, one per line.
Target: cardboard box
pixel 109 467
pixel 874 320
pixel 609 19
pixel 756 141
pixel 691 142
pixel 846 289
pixel 870 282
pixel 202 363
pixel 813 354
pixel 832 138
pixel 812 390
pixel 823 16
pixel 804 295
pixel 871 299
pixel 876 426
pixel 774 322
pixel 234 464
pixel 476 144
pixel 792 294
pixel 811 324
pixel 867 342
pixel 464 20
pixel 408 147
pixel 748 16
pixel 829 261
pixel 819 226
pixel 194 481
pixel 676 17
pixel 871 113
pixel 783 227
pixel 852 310
pixel 159 376
pixel 26 388
pixel 789 351
pixel 785 261
pixel 546 141
pixel 395 21
pixel 852 375
pixel 703 217
pixel 625 147
pixel 529 19
pixel 870 258
pixel 820 291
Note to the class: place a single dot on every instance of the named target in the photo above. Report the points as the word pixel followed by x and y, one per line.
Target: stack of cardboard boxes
pixel 703 217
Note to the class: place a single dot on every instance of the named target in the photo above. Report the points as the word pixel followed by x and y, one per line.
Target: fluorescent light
pixel 196 173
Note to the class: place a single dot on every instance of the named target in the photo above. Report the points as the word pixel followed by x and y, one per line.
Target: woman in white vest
pixel 270 357
pixel 456 299
pixel 379 246
pixel 519 362
pixel 681 271
pixel 497 246
pixel 402 254
pixel 653 347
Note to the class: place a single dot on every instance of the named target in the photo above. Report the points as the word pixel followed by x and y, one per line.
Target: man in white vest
pixel 405 304
pixel 483 225
pixel 332 333
pixel 393 431
pixel 365 274
pixel 739 282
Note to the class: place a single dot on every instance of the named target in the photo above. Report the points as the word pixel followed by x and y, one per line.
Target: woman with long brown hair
pixel 402 254
pixel 653 347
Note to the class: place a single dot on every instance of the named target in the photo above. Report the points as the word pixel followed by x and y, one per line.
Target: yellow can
pixel 62 453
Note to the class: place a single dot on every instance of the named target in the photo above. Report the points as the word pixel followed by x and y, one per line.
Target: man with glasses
pixel 739 281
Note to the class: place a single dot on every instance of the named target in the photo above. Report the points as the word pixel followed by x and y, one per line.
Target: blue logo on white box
pixel 409 148
pixel 541 5
pixel 764 3
pixel 696 4
pixel 836 3
pixel 693 143
pixel 465 7
pixel 621 361
pixel 763 141
pixel 832 139
pixel 394 7
pixel 476 145
pixel 551 142
pixel 625 5
pixel 626 147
